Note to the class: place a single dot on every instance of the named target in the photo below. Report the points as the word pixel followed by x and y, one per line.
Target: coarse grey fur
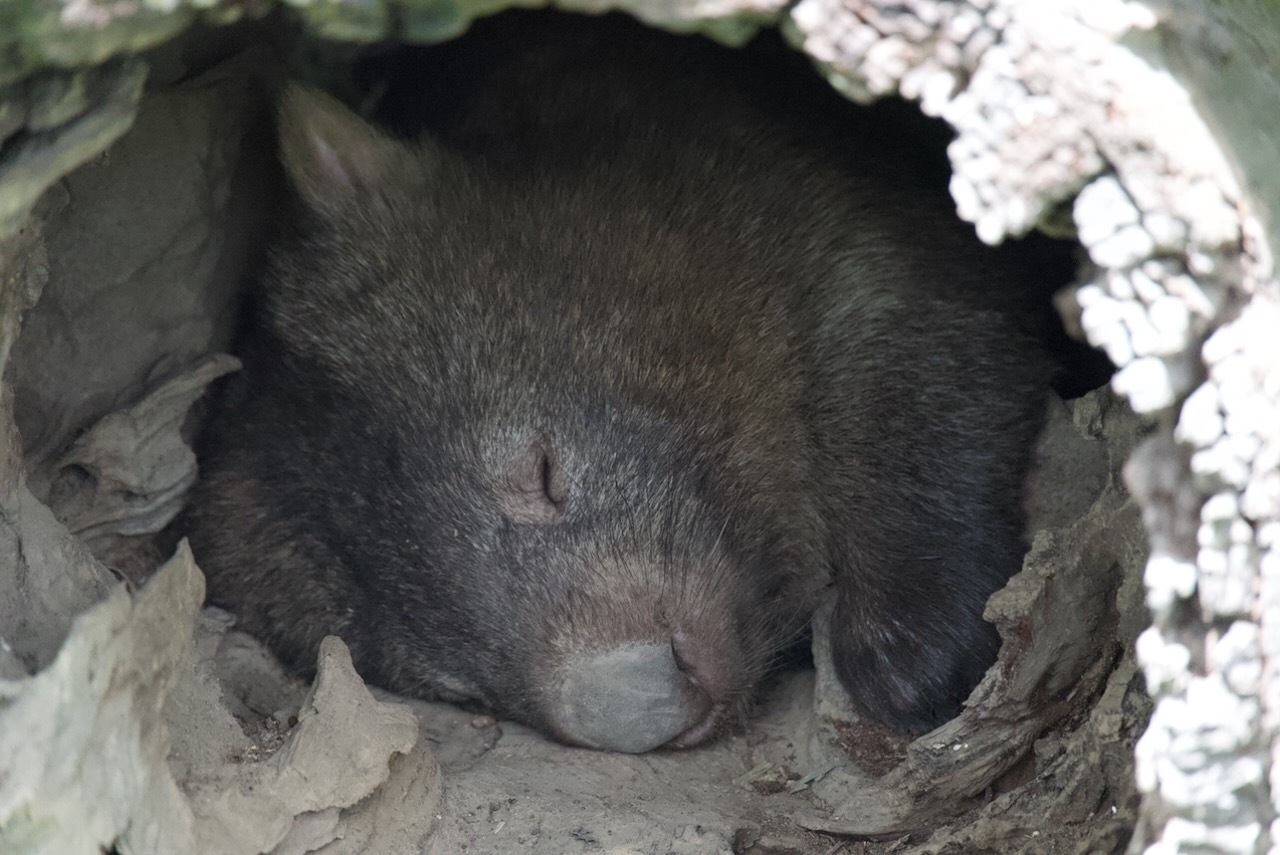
pixel 606 380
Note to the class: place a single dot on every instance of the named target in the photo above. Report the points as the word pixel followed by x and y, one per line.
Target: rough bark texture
pixel 1056 99
pixel 1067 119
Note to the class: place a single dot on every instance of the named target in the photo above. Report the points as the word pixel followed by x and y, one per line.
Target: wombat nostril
pixel 696 662
pixel 633 698
pixel 680 651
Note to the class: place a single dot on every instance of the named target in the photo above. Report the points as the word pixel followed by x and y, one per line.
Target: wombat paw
pixel 911 680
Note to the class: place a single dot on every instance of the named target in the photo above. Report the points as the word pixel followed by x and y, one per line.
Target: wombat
pixel 577 406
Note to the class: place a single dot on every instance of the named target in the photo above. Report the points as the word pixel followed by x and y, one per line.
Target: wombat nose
pixel 631 699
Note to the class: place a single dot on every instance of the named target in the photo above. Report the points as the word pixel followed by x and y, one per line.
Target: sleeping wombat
pixel 578 406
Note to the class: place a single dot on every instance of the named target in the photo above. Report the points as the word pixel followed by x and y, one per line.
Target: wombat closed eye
pixel 579 405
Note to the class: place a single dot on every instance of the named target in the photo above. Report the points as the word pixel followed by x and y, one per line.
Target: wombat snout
pixel 576 405
pixel 644 646
pixel 632 698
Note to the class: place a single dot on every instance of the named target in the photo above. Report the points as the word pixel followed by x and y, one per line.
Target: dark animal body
pixel 578 406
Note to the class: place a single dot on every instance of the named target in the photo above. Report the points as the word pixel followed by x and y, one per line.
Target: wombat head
pixel 473 441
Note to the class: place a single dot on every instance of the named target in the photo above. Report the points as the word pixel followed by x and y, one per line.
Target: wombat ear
pixel 332 155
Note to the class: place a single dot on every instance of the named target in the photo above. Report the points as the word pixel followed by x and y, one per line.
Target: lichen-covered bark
pixel 67 119
pixel 1223 51
pixel 1059 99
pixel 85 763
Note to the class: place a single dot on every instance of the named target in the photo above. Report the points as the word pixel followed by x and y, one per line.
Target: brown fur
pixel 620 350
